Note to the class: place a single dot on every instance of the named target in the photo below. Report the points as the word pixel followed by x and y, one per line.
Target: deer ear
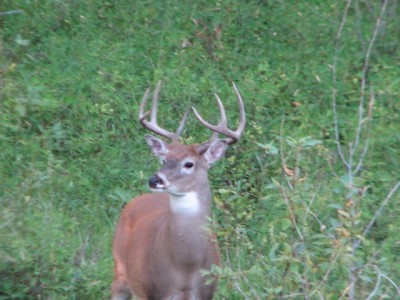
pixel 215 151
pixel 158 147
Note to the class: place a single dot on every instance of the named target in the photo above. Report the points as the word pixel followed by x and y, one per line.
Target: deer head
pixel 186 157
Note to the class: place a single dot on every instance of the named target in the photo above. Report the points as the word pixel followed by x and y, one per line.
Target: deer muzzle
pixel 155 182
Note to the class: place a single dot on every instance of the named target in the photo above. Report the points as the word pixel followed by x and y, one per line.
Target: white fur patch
pixel 185 204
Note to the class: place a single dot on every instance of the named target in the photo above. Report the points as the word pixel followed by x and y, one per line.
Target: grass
pixel 287 213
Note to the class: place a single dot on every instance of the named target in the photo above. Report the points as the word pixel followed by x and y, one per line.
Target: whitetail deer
pixel 161 241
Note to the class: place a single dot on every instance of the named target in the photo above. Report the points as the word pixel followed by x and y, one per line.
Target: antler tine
pixel 182 123
pixel 152 124
pixel 143 103
pixel 242 120
pixel 222 115
pixel 204 122
pixel 222 127
pixel 154 106
pixel 222 110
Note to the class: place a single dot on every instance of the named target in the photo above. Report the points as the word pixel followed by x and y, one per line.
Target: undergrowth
pixel 293 217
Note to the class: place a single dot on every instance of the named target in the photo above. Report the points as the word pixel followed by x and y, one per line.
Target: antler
pixel 222 127
pixel 152 124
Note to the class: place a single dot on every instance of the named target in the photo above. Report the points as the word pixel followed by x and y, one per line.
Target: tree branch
pixel 334 79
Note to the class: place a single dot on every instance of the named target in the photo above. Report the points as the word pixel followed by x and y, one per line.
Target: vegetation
pixel 306 206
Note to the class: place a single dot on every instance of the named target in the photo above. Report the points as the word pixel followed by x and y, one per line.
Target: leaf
pixel 209 280
pixel 343 213
pixel 311 143
pixel 288 172
pixel 336 205
pixel 20 41
pixel 291 142
pixel 269 148
pixel 346 179
pixel 275 182
pixel 58 131
pixel 334 223
pixel 285 223
pixel 272 252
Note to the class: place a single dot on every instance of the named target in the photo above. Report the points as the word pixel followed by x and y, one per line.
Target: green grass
pixel 72 152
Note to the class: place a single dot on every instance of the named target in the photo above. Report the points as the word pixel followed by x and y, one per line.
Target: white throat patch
pixel 185 204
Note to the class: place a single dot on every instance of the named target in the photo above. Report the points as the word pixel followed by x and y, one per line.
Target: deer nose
pixel 156 182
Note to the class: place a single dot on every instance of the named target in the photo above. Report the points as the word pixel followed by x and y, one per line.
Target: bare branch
pixel 365 73
pixel 314 196
pixel 288 202
pixel 377 284
pixel 366 143
pixel 359 31
pixel 334 257
pixel 378 212
pixel 334 79
pixel 392 282
pixel 11 12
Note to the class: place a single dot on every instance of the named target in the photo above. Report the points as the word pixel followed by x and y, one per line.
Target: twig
pixel 7 222
pixel 295 295
pixel 236 284
pixel 378 212
pixel 365 72
pixel 323 281
pixel 377 284
pixel 282 151
pixel 314 196
pixel 352 160
pixel 359 31
pixel 11 12
pixel 305 282
pixel 366 144
pixel 380 274
pixel 346 290
pixel 392 282
pixel 282 190
pixel 334 79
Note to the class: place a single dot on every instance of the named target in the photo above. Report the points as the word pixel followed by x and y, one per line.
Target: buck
pixel 161 241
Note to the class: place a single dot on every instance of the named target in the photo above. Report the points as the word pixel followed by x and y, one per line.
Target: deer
pixel 162 240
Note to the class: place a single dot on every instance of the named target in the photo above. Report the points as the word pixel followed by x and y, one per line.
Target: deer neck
pixel 187 233
pixel 193 204
pixel 193 207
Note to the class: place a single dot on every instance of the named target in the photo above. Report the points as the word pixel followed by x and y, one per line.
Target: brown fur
pixel 158 254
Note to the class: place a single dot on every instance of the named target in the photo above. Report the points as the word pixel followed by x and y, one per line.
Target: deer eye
pixel 188 165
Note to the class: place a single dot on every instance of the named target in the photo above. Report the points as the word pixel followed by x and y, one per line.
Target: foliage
pixel 286 211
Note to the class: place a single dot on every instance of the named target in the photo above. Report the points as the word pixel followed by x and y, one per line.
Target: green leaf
pixel 336 205
pixel 269 148
pixel 21 41
pixel 311 143
pixel 274 248
pixel 285 224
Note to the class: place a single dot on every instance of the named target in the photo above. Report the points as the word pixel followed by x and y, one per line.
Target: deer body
pixel 166 256
pixel 162 242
